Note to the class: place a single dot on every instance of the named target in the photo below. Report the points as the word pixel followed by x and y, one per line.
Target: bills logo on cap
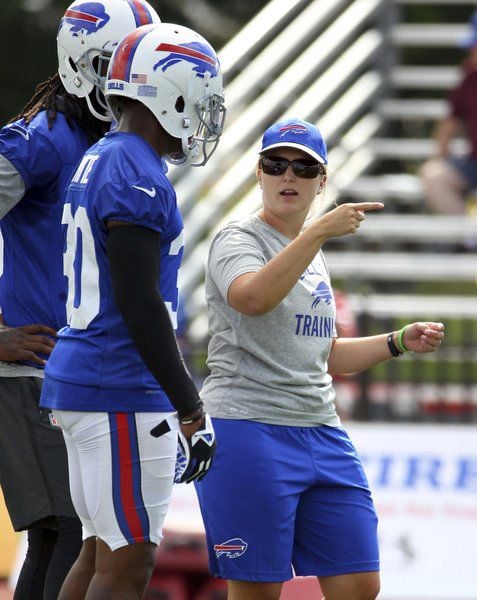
pixel 321 292
pixel 88 18
pixel 196 53
pixel 231 548
pixel 295 128
pixel 296 133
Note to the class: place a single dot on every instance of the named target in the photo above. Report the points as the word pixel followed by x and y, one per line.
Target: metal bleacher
pixel 345 66
pixel 326 71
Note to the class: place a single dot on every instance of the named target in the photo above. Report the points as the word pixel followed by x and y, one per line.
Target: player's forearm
pixel 353 355
pixel 134 265
pixel 150 329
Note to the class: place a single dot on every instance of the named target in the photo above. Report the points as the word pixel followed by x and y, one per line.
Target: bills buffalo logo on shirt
pixel 322 292
pixel 317 325
pixel 196 53
pixel 88 18
pixel 231 548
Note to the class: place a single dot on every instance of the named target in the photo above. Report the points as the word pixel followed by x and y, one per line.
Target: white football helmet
pixel 175 72
pixel 87 36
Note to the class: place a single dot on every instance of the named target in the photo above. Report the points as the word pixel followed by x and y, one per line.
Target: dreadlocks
pixel 52 97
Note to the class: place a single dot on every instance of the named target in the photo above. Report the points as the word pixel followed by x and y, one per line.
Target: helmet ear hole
pixel 72 64
pixel 95 63
pixel 180 104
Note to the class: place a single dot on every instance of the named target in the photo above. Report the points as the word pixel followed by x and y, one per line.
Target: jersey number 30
pixel 81 268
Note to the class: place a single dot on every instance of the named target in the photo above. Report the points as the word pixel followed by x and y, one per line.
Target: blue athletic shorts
pixel 280 498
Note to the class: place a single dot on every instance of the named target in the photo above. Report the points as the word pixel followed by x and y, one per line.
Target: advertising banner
pixel 424 483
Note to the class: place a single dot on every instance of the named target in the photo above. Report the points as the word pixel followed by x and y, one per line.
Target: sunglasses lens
pixel 301 168
pixel 274 166
pixel 307 170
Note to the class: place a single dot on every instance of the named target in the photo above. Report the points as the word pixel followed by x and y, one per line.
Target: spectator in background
pixel 39 150
pixel 447 179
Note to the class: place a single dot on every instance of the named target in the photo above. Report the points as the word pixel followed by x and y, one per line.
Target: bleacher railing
pixel 436 387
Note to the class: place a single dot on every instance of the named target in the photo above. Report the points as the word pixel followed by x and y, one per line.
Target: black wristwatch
pixel 392 346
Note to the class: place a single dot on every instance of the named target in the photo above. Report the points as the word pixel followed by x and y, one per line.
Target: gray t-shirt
pixel 12 187
pixel 270 368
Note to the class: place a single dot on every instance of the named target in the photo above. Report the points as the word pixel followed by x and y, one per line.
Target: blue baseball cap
pixel 470 39
pixel 295 133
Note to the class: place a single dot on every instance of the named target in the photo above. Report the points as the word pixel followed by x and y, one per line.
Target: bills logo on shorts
pixel 231 548
pixel 321 292
pixel 87 18
pixel 53 420
pixel 196 53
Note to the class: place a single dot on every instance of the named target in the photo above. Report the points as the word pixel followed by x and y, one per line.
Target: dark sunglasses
pixel 275 165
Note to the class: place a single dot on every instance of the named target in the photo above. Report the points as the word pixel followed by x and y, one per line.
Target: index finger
pixel 364 206
pixel 435 326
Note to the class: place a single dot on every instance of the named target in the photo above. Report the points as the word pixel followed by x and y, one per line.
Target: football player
pixel 39 150
pixel 116 380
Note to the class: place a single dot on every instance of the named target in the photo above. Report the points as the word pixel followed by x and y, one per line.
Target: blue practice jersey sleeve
pixel 32 151
pixel 141 203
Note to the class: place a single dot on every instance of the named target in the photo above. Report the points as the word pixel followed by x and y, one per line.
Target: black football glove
pixel 194 454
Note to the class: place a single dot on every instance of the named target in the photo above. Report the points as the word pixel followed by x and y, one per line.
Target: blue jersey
pixel 33 287
pixel 95 365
